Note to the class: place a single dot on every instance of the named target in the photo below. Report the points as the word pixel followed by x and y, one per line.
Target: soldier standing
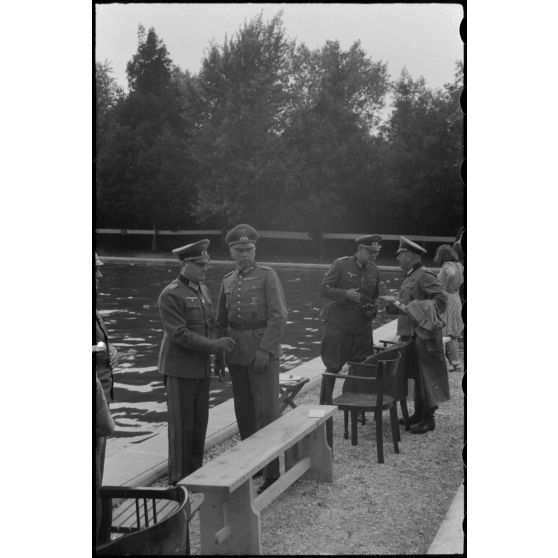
pixel 352 284
pixel 421 302
pixel 184 361
pixel 253 311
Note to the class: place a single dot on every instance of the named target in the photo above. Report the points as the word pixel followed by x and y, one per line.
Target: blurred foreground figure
pixel 421 303
pixel 184 358
pixel 105 357
pixel 253 311
pixel 451 279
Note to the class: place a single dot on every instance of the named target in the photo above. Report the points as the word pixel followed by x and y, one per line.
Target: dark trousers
pixel 256 402
pixel 188 413
pixel 340 346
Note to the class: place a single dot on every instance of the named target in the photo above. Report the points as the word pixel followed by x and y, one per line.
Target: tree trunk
pixel 154 239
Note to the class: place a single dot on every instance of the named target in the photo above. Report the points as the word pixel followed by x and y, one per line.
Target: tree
pixel 146 174
pixel 421 150
pixel 334 104
pixel 237 101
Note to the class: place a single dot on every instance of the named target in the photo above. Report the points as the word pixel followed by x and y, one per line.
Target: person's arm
pixel 176 325
pixel 433 289
pixel 329 285
pixel 276 314
pixel 104 423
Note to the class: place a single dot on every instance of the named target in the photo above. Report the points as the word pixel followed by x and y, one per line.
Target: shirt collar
pixel 188 283
pixel 243 273
pixel 358 264
pixel 413 269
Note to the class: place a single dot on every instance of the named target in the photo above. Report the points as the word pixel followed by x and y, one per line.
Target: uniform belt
pixel 247 325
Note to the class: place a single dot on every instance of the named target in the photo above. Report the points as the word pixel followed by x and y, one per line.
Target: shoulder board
pixel 343 259
pixel 266 267
pixel 427 271
pixel 229 274
pixel 173 285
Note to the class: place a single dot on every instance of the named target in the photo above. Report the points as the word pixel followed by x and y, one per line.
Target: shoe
pixel 424 426
pixel 266 484
pixel 413 419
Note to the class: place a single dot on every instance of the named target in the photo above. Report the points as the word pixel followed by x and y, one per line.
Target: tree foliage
pixel 278 135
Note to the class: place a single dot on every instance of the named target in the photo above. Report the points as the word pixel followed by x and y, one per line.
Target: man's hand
pixel 114 357
pixel 224 344
pixel 353 295
pixel 219 366
pixel 261 360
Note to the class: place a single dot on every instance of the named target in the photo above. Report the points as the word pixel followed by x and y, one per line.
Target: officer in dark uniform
pixel 427 364
pixel 352 284
pixel 253 311
pixel 184 359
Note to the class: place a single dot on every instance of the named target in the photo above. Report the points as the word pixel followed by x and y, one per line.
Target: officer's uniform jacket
pixel 102 359
pixel 251 298
pixel 419 284
pixel 185 310
pixel 429 366
pixel 344 274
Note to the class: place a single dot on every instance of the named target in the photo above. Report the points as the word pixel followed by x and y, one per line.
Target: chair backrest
pixel 398 388
pixel 382 369
pixel 168 537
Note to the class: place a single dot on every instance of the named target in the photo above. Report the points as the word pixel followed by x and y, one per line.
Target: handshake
pixel 221 346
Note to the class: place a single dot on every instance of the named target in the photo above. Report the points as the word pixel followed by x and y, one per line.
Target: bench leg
pixel 316 447
pixel 346 424
pixel 235 512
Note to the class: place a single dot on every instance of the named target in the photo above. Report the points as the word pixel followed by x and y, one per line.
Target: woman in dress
pixel 451 278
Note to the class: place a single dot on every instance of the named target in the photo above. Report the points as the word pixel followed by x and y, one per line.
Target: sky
pixel 424 38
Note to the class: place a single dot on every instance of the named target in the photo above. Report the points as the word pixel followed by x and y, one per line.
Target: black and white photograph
pixel 280 252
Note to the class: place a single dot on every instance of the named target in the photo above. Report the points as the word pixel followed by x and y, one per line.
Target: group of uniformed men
pixel 247 331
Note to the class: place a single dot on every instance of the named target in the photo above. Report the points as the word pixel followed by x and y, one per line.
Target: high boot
pixel 426 424
pixel 418 413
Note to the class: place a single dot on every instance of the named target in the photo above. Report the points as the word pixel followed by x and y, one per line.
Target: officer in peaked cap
pixel 243 236
pixel 184 358
pixel 405 245
pixel 253 311
pixel 195 252
pixel 426 362
pixel 352 286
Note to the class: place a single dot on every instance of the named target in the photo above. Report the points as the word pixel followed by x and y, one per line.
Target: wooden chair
pixel 151 521
pixel 367 388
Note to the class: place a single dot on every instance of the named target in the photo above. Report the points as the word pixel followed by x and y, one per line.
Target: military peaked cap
pixel 242 235
pixel 372 242
pixel 195 252
pixel 405 245
pixel 98 262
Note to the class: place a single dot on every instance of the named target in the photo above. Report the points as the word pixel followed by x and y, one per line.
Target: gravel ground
pixel 370 508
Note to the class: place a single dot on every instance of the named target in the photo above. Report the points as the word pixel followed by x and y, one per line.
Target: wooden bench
pixel 230 513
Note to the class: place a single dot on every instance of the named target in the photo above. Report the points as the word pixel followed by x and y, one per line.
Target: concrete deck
pixel 450 537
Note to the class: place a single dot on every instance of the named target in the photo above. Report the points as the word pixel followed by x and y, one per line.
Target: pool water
pixel 127 300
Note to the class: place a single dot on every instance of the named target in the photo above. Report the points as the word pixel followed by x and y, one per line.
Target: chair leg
pixel 363 418
pixel 394 427
pixel 354 432
pixel 405 412
pixel 379 436
pixel 346 424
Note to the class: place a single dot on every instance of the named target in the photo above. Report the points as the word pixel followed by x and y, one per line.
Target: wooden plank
pixel 126 516
pixel 281 484
pixel 231 469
